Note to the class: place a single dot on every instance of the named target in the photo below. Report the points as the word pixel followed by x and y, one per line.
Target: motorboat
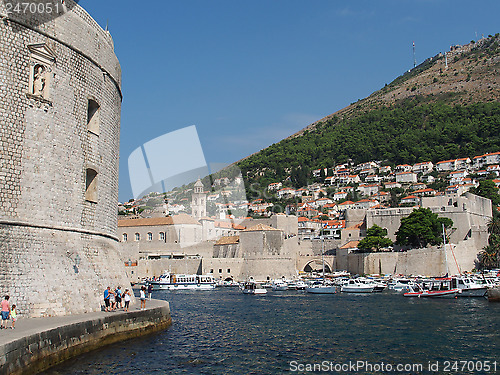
pixel 279 285
pixel 356 286
pixel 251 287
pixel 434 288
pixel 468 287
pixel 319 287
pixel 400 285
pixel 171 281
pixel 378 286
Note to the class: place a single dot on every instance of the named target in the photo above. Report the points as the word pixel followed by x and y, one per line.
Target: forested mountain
pixel 445 108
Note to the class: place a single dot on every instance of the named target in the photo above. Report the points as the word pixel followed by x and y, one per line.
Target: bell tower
pixel 198 201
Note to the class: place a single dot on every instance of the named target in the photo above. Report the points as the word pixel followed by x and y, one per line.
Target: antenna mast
pixel 414 58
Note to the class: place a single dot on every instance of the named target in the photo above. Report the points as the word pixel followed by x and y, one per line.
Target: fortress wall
pixel 45 151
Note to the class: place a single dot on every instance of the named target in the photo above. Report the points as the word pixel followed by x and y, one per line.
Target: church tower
pixel 198 201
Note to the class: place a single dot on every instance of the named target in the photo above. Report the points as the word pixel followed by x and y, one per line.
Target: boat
pixel 468 287
pixel 435 288
pixel 279 285
pixel 320 287
pixel 494 294
pixel 251 287
pixel 297 285
pixel 171 281
pixel 356 286
pixel 378 286
pixel 400 285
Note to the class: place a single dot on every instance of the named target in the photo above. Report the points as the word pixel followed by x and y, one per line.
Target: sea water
pixel 225 332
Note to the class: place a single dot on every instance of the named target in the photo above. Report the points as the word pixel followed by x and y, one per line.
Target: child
pixel 13 315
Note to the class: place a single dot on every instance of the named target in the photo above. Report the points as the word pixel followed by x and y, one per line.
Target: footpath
pixel 40 343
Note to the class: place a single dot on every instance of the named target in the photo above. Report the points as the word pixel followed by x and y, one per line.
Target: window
pixel 212 271
pixel 220 270
pixel 162 236
pixel 150 236
pixel 93 117
pixel 137 237
pixel 125 237
pixel 228 270
pixel 91 185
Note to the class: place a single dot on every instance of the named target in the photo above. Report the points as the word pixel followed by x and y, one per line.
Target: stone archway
pixel 316 265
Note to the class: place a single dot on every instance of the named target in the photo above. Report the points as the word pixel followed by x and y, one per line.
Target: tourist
pixel 13 315
pixel 107 295
pixel 126 298
pixel 143 297
pixel 112 300
pixel 118 297
pixel 5 312
pixel 150 290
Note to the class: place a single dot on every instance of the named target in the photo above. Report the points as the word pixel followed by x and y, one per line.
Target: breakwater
pixel 38 344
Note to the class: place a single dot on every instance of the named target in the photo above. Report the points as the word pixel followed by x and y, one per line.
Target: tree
pixel 375 240
pixel 489 257
pixel 421 228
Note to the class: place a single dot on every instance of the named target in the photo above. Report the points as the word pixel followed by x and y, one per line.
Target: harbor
pixel 223 331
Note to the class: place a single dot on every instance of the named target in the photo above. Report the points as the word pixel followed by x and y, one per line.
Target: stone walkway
pixel 27 327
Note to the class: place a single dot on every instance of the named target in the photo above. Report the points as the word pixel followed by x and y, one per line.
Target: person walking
pixel 150 291
pixel 143 297
pixel 13 316
pixel 5 312
pixel 112 300
pixel 118 297
pixel 107 295
pixel 126 298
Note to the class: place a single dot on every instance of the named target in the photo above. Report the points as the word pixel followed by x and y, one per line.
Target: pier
pixel 40 343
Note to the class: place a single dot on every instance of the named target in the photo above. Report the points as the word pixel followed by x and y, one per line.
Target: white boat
pixel 170 281
pixel 356 286
pixel 279 285
pixel 468 287
pixel 297 285
pixel 251 287
pixel 437 288
pixel 400 285
pixel 321 288
pixel 378 286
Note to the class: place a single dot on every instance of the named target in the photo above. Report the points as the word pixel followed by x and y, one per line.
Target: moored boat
pixel 468 287
pixel 170 281
pixel 321 288
pixel 435 288
pixel 251 287
pixel 356 286
pixel 279 285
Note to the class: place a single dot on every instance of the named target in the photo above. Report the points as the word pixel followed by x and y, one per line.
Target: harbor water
pixel 225 332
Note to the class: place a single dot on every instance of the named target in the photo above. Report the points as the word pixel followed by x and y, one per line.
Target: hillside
pixel 431 113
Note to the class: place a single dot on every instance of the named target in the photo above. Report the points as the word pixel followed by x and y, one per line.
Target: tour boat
pixel 468 287
pixel 321 288
pixel 356 286
pixel 251 287
pixel 400 285
pixel 437 288
pixel 170 281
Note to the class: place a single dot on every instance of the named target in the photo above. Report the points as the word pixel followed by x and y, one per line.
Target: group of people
pixel 113 299
pixel 8 312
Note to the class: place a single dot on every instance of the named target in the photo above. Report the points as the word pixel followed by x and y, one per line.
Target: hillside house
pixel 368 189
pixel 406 177
pixel 275 186
pixel 486 159
pixel 453 165
pixel 423 168
pixel 385 169
pixel 286 193
pixel 339 195
pixel 392 185
pixel 403 168
pixel 410 199
pixel 366 204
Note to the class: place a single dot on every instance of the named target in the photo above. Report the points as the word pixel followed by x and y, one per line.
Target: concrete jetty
pixel 39 343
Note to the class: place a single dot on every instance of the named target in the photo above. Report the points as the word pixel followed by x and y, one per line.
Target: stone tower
pixel 198 201
pixel 59 145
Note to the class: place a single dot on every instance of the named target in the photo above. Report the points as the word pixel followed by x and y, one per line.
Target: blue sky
pixel 249 73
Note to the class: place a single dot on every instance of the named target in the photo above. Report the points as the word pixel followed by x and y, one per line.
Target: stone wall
pixel 48 222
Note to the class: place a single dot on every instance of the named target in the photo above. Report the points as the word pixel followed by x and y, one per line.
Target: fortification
pixel 59 144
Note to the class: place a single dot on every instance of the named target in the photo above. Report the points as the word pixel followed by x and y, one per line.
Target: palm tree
pixel 494 226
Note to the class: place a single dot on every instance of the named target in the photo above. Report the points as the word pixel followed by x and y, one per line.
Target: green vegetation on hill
pixel 410 131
